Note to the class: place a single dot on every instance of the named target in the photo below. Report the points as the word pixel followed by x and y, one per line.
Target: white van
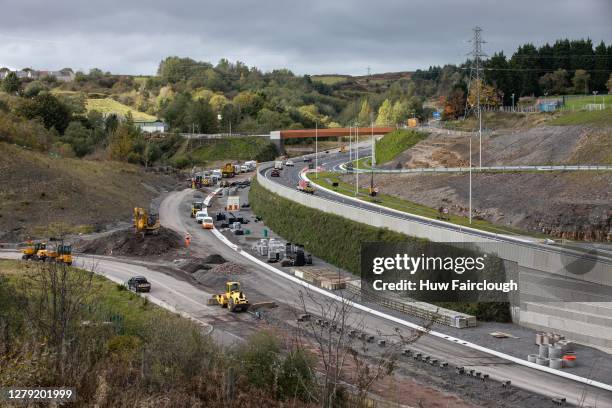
pixel 200 215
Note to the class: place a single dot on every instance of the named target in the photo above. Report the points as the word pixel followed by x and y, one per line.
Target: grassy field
pixel 109 106
pixel 330 79
pixel 327 178
pixel 396 142
pixel 598 118
pixel 581 102
pixel 113 298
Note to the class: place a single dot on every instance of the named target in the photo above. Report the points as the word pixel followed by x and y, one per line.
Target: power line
pixel 536 69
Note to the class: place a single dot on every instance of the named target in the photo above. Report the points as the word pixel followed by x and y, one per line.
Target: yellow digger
pixel 31 251
pixel 145 222
pixel 233 298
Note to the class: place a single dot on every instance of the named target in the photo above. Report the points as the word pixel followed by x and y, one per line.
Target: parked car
pixel 307 159
pixel 139 284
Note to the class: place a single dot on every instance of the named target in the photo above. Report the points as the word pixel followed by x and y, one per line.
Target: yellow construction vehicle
pixel 64 254
pixel 233 298
pixel 343 149
pixel 195 207
pixel 227 170
pixel 144 222
pixel 31 251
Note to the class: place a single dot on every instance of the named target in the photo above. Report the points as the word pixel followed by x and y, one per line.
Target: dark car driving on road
pixel 139 284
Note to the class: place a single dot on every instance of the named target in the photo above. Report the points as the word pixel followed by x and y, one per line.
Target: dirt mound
pixel 218 275
pixel 229 268
pixel 214 259
pixel 195 264
pixel 128 243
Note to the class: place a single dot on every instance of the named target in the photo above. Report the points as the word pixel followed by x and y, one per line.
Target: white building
pixel 152 127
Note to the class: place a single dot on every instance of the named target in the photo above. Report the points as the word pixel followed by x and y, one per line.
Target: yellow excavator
pixel 195 207
pixel 233 298
pixel 145 222
pixel 31 251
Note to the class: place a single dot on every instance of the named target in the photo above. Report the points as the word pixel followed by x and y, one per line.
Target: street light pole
pixel 357 158
pixel 512 102
pixel 470 199
pixel 373 149
pixel 316 149
pixel 350 143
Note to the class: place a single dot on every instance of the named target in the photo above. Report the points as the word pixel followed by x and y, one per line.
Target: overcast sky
pixel 306 36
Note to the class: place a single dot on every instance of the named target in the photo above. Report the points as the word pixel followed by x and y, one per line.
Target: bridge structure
pixel 278 136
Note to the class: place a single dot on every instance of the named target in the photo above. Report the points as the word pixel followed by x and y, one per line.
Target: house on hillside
pixel 63 75
pixel 151 126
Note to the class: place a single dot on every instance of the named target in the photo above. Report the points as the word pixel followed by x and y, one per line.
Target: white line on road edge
pixel 406 323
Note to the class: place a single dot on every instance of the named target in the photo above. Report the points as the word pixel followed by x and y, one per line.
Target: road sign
pixel 437 115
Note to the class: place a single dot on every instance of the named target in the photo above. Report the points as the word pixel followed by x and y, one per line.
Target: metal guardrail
pixel 482 169
pixel 219 135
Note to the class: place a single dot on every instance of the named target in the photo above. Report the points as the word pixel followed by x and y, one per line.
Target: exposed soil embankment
pixel 40 194
pixel 571 205
pixel 129 243
pixel 544 145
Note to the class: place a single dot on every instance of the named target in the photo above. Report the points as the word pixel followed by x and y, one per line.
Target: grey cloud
pixel 316 36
